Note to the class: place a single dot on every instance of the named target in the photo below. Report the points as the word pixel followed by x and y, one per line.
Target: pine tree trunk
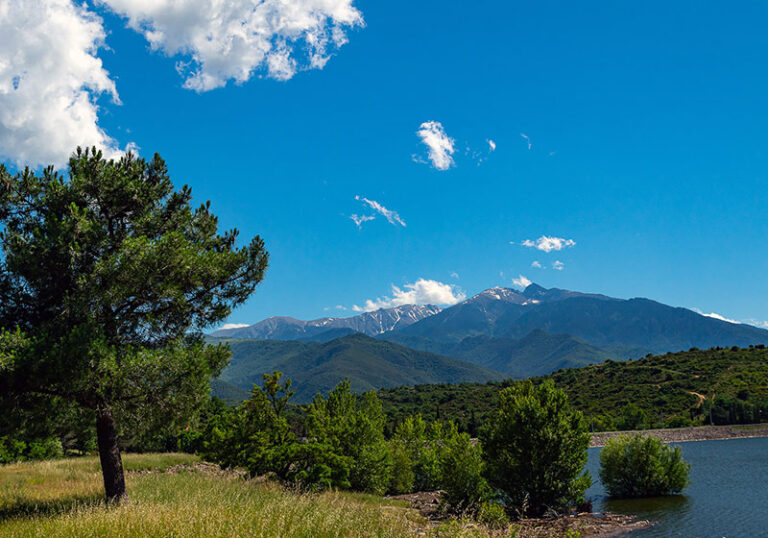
pixel 109 453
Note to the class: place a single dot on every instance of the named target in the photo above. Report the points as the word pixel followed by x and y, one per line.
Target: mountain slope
pixel 370 323
pixel 537 353
pixel 626 328
pixel 368 363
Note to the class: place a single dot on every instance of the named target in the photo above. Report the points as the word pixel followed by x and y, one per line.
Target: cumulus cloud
pixel 222 41
pixel 491 145
pixel 388 214
pixel 548 244
pixel 440 145
pixel 557 265
pixel 537 265
pixel 422 291
pixel 527 139
pixel 50 80
pixel 521 282
pixel 233 326
pixel 360 219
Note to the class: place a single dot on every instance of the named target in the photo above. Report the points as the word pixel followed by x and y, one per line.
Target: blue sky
pixel 646 122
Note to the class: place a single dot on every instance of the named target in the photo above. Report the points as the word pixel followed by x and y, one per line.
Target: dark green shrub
pixel 678 422
pixel 536 449
pixel 11 450
pixel 45 449
pixel 642 466
pixel 632 417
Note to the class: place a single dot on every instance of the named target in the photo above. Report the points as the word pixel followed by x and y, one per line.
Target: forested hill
pixel 674 389
pixel 315 367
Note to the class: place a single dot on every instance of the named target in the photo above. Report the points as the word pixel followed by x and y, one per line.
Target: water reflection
pixel 727 496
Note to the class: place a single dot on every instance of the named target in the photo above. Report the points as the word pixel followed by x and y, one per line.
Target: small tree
pixel 461 472
pixel 107 277
pixel 536 449
pixel 642 466
pixel 353 428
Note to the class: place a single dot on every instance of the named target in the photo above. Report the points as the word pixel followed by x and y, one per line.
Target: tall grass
pixel 64 498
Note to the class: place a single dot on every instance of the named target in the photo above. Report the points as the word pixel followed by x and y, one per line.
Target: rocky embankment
pixel 699 433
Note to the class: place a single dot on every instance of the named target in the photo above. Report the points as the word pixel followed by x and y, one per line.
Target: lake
pixel 727 496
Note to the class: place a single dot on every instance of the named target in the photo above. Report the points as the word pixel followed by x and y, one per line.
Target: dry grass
pixel 64 498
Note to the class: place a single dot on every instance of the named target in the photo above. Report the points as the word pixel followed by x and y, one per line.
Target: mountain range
pixel 501 331
pixel 369 323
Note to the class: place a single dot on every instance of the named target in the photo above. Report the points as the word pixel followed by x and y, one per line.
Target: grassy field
pixel 64 498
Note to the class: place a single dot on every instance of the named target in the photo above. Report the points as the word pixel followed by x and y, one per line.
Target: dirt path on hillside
pixel 701 397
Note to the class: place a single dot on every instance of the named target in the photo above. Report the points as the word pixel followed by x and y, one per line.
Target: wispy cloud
pixel 527 139
pixel 547 244
pixel 762 324
pixel 715 315
pixel 360 219
pixel 558 265
pixel 455 275
pixel 491 145
pixel 388 214
pixel 440 145
pixel 233 326
pixel 521 282
pixel 422 291
pixel 537 265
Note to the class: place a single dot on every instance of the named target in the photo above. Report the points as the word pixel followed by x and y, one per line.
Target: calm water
pixel 727 496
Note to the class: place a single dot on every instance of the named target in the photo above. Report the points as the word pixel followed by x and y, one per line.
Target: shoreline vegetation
pixel 689 434
pixel 181 494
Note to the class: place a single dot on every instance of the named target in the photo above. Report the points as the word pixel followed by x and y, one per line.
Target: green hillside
pixel 368 363
pixel 670 389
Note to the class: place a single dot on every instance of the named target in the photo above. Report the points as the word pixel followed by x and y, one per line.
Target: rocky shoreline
pixel 683 435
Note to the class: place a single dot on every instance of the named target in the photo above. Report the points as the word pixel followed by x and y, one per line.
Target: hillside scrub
pixel 642 466
pixel 667 389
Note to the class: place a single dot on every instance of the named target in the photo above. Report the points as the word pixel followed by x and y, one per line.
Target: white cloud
pixel 521 282
pixel 360 219
pixel 715 315
pixel 50 79
pixel 558 265
pixel 223 41
pixel 455 275
pixel 422 291
pixel 340 307
pixel 548 244
pixel 441 146
pixel 492 145
pixel 233 326
pixel 757 323
pixel 527 139
pixel 388 214
pixel 537 265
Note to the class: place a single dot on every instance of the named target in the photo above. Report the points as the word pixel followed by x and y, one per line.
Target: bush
pixel 642 466
pixel 678 422
pixel 493 515
pixel 461 473
pixel 632 418
pixel 536 449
